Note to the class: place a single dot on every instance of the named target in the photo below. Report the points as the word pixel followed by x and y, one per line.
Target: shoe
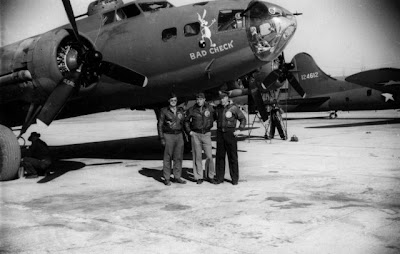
pixel 213 181
pixel 217 182
pixel 180 181
pixel 31 176
pixel 234 183
pixel 167 182
pixel 200 181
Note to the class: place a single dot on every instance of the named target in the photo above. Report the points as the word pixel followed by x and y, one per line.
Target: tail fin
pixel 309 75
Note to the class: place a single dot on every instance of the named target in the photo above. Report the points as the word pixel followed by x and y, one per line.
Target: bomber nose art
pixel 270 29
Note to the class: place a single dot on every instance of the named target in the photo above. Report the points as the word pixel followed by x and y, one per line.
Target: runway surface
pixel 336 190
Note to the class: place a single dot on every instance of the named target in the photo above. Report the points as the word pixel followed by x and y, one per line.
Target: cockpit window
pixel 108 17
pixel 230 19
pixel 191 29
pixel 130 10
pixel 154 6
pixel 120 14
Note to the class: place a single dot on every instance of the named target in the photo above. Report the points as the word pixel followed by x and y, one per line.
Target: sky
pixel 343 37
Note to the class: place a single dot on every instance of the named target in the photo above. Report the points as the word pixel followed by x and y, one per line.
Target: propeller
pixel 71 19
pixel 284 72
pixel 57 99
pixel 257 98
pixel 91 64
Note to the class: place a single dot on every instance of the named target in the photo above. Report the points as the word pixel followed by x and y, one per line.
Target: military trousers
pixel 277 122
pixel 173 152
pixel 35 166
pixel 227 145
pixel 202 142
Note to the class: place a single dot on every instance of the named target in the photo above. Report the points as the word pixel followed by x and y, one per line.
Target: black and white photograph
pixel 190 126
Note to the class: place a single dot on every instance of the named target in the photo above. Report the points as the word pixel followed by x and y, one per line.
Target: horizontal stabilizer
pixel 376 78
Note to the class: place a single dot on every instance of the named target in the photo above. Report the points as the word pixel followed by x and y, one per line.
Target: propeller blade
pixel 296 85
pixel 71 18
pixel 272 78
pixel 56 101
pixel 256 95
pixel 123 74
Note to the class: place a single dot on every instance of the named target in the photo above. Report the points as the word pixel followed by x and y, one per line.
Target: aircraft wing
pixel 385 79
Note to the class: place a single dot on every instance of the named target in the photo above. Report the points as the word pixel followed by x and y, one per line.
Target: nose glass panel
pixel 269 28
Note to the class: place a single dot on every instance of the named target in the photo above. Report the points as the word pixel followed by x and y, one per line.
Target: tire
pixel 10 154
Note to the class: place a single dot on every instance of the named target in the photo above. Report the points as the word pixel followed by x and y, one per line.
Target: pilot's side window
pixel 108 17
pixel 169 33
pixel 230 19
pixel 192 29
pixel 131 10
pixel 120 15
pixel 155 6
pixel 369 92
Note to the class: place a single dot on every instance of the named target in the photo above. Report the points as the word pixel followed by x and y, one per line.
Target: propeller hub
pixel 71 59
pixel 68 58
pixel 94 57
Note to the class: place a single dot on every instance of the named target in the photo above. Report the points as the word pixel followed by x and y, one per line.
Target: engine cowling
pixel 48 57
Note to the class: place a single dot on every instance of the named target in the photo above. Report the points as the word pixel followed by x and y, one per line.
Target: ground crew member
pixel 276 122
pixel 227 115
pixel 198 123
pixel 170 127
pixel 38 159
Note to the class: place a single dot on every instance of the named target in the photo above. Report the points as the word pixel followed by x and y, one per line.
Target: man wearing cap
pixel 39 159
pixel 198 123
pixel 227 115
pixel 170 126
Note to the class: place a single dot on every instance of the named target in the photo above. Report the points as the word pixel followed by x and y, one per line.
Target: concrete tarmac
pixel 336 190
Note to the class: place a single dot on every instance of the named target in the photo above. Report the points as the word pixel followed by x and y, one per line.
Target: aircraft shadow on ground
pixel 61 167
pixel 141 148
pixel 369 123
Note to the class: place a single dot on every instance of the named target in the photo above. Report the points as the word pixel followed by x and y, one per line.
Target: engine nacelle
pixel 42 62
pixel 48 57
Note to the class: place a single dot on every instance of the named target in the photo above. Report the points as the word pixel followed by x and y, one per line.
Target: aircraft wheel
pixel 332 115
pixel 10 154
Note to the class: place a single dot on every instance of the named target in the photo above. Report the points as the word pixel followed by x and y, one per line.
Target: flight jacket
pixel 199 119
pixel 227 117
pixel 39 150
pixel 170 123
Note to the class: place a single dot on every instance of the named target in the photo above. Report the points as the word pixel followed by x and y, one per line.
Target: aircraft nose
pixel 270 29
